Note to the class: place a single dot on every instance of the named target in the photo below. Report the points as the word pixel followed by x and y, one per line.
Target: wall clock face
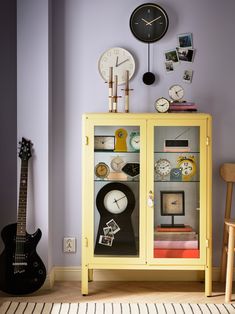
pixel 120 60
pixel 149 22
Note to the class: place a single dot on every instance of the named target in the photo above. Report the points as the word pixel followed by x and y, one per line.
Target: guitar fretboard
pixel 21 219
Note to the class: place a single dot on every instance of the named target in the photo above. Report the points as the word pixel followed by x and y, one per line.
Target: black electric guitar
pixel 21 269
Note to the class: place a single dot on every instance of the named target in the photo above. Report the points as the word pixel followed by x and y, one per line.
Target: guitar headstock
pixel 25 149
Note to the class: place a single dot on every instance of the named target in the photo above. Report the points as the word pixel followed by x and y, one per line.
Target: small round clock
pixel 135 140
pixel 149 22
pixel 162 105
pixel 162 167
pixel 176 92
pixel 102 170
pixel 120 60
pixel 117 163
pixel 188 166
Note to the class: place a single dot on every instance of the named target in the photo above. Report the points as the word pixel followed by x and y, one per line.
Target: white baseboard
pixel 74 274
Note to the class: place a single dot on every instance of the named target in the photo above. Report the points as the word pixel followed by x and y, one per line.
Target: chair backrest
pixel 227 172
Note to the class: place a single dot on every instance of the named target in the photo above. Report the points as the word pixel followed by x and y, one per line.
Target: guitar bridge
pixel 19 264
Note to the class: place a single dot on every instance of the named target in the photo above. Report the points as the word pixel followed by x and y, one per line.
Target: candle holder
pixel 127 89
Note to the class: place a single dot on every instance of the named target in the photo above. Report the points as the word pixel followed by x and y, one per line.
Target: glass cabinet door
pixel 116 191
pixel 177 223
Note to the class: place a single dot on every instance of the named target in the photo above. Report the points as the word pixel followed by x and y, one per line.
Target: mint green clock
pixel 135 141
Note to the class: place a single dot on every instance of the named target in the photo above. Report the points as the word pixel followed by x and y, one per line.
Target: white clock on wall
pixel 120 60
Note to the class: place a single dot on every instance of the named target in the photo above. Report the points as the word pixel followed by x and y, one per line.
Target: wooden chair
pixel 227 172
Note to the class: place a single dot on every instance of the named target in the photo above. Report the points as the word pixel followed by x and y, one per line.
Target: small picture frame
pixel 172 203
pixel 169 66
pixel 171 55
pixel 185 54
pixel 188 76
pixel 113 225
pixel 106 240
pixel 185 40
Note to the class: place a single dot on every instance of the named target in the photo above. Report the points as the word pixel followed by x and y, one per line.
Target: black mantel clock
pixel 115 202
pixel 149 23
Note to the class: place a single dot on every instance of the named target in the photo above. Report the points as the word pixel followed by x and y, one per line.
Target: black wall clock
pixel 115 202
pixel 149 23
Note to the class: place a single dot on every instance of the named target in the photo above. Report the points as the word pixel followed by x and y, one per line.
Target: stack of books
pixel 182 107
pixel 176 242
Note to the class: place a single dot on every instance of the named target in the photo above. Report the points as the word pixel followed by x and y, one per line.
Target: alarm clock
pixel 188 165
pixel 162 167
pixel 176 174
pixel 117 163
pixel 102 170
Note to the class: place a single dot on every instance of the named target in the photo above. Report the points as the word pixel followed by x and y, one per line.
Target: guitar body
pixel 24 274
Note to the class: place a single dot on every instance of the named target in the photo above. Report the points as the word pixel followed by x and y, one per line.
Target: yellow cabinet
pixel 146 193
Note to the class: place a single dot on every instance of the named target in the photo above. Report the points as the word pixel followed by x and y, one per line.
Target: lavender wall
pixel 82 30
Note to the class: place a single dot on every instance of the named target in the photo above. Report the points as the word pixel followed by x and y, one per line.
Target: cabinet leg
pixel 90 275
pixel 208 281
pixel 84 284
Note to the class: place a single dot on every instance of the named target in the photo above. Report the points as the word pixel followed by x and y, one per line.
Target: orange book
pixel 176 253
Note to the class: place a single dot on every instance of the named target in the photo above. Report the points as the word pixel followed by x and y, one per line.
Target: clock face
pixel 149 22
pixel 120 60
pixel 117 163
pixel 176 174
pixel 102 170
pixel 135 141
pixel 163 167
pixel 104 142
pixel 162 104
pixel 176 92
pixel 115 201
pixel 187 168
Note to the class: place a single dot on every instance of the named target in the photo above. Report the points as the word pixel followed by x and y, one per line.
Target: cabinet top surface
pixel 149 115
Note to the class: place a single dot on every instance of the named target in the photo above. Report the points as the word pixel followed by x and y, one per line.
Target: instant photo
pixel 169 66
pixel 185 54
pixel 171 55
pixel 185 40
pixel 187 76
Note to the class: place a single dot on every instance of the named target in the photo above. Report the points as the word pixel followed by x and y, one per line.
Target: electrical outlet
pixel 69 245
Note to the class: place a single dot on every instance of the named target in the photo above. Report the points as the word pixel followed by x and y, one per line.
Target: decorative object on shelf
pixel 132 169
pixel 135 141
pixel 176 146
pixel 104 143
pixel 120 143
pixel 149 23
pixel 115 203
pixel 172 204
pixel 117 163
pixel 162 104
pixel 176 174
pixel 188 165
pixel 176 92
pixel 162 168
pixel 127 89
pixel 120 60
pixel 102 170
pixel 115 95
pixel 110 82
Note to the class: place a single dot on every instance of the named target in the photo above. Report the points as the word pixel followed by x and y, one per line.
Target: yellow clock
pixel 120 140
pixel 188 166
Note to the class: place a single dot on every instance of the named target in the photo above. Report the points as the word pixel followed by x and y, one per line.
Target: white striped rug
pixel 114 308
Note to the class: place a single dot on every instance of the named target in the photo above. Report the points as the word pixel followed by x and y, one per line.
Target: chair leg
pixel 223 265
pixel 229 274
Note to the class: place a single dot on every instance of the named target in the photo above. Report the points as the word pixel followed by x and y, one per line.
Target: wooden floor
pixel 178 292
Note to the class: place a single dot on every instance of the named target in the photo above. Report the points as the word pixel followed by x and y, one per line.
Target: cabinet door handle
pixel 150 201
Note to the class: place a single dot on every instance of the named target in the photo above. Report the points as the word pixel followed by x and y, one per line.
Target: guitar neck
pixel 21 218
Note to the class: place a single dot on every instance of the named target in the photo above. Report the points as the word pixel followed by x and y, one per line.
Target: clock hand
pixel 147 23
pixel 116 62
pixel 150 23
pixel 117 65
pixel 119 199
pixel 115 201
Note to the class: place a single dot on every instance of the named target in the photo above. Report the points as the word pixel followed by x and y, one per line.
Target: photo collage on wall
pixel 182 53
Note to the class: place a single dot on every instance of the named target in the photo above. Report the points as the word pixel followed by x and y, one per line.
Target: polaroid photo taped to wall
pixel 185 54
pixel 185 40
pixel 171 55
